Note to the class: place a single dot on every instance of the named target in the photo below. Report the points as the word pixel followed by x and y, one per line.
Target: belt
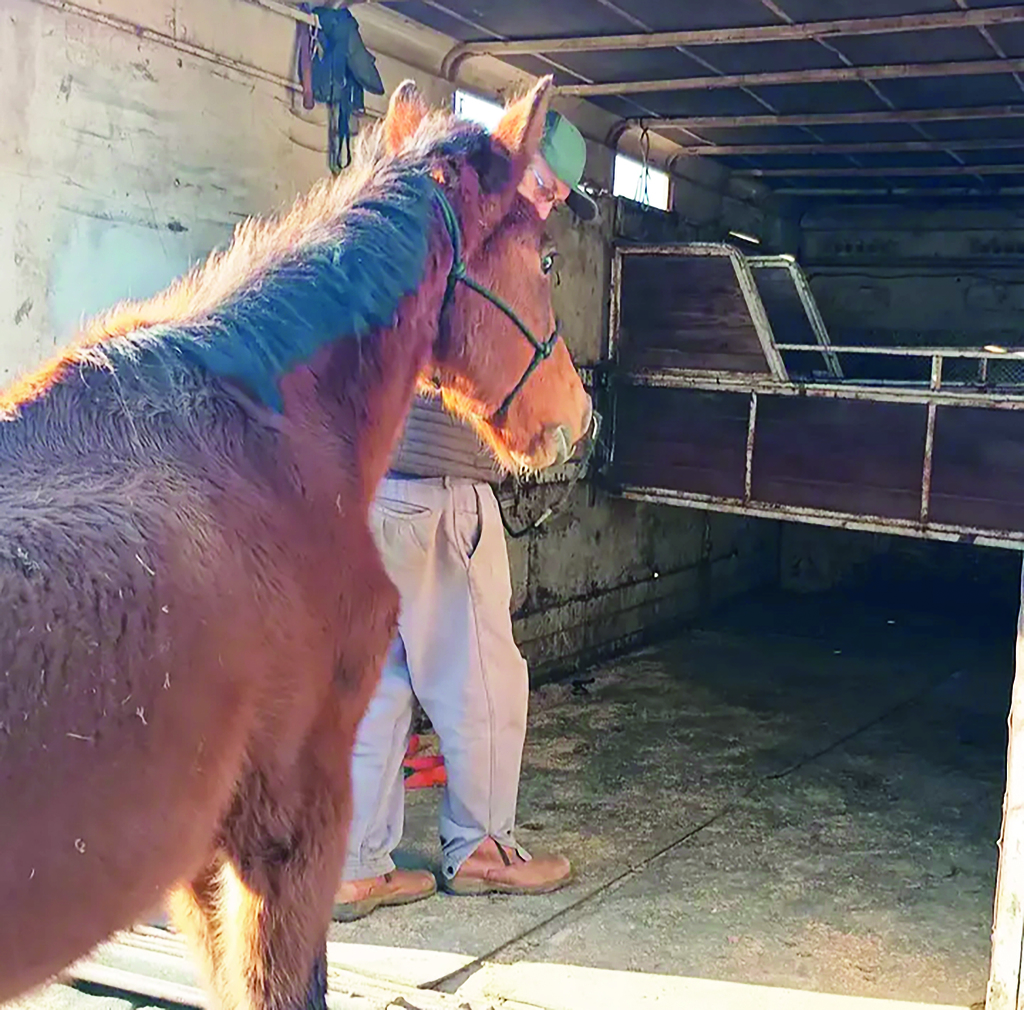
pixel 434 481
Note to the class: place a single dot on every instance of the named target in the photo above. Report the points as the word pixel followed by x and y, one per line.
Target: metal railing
pixel 933 389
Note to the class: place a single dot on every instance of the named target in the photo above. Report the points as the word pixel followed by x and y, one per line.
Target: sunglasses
pixel 545 191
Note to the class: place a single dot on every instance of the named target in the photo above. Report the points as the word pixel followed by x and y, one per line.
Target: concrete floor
pixel 801 792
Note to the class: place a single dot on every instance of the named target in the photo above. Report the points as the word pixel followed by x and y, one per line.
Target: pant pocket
pixel 468 530
pixel 397 525
pixel 395 508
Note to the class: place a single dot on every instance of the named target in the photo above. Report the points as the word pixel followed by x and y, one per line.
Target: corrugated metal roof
pixel 489 20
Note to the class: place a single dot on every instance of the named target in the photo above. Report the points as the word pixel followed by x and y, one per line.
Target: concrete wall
pixel 611 574
pixel 607 573
pixel 133 140
pixel 975 588
pixel 126 155
pixel 917 275
pixel 121 163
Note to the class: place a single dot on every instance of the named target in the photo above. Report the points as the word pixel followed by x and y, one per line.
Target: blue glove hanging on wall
pixel 336 69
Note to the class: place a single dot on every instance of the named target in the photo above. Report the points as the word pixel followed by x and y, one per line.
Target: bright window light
pixel 480 110
pixel 634 182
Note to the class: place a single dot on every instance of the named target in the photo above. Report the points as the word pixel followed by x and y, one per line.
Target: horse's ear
pixel 522 126
pixel 406 110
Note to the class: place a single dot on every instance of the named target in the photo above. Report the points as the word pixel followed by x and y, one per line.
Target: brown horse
pixel 193 614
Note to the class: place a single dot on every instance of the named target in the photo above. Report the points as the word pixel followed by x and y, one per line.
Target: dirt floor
pixel 800 792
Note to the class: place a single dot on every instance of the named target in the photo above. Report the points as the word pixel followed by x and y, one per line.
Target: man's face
pixel 542 187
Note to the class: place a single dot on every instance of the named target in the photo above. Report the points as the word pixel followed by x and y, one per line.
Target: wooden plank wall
pixel 686 312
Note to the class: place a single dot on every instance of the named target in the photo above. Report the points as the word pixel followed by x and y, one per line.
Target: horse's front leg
pixel 198 911
pixel 284 851
pixel 284 841
pixel 284 846
pixel 195 910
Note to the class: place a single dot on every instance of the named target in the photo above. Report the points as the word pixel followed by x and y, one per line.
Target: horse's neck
pixel 361 394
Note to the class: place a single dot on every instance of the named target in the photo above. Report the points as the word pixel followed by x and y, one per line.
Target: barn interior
pixel 771 633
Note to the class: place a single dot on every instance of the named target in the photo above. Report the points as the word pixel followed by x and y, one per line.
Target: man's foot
pixel 499 869
pixel 357 898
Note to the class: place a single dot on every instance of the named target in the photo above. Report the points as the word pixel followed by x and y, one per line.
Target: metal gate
pixel 709 408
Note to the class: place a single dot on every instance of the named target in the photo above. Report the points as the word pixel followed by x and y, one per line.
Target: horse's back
pixel 106 739
pixel 172 619
pixel 127 690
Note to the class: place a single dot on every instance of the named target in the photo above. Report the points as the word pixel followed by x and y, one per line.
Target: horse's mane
pixel 335 265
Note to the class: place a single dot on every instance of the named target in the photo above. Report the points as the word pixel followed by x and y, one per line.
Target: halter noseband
pixel 542 349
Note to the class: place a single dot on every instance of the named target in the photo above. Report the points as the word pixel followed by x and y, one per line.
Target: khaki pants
pixel 443 546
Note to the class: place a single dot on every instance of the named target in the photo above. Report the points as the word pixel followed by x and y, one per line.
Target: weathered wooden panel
pixel 685 312
pixel 978 468
pixel 681 440
pixel 841 455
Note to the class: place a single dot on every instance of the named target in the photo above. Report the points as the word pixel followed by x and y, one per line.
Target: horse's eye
pixel 547 263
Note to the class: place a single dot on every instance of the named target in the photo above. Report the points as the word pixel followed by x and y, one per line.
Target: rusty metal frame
pixel 879 392
pixel 883 72
pixel 932 393
pixel 813 30
pixel 614 305
pixel 810 306
pixel 874 171
pixel 983 353
pixel 871 118
pixel 748 458
pixel 858 147
pixel 744 278
pixel 1010 539
pixel 926 469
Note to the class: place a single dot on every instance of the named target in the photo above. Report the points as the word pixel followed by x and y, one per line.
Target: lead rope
pixel 555 509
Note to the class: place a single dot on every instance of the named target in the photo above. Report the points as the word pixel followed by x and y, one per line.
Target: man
pixel 437 524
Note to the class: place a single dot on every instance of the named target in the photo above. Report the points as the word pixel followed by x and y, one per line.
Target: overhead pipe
pixel 803 30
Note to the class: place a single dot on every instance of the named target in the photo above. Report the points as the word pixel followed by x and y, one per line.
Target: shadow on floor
pixel 802 792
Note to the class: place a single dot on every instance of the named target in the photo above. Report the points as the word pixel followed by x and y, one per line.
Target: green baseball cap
pixel 565 151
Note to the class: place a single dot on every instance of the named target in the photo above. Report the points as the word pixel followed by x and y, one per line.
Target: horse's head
pixel 498 361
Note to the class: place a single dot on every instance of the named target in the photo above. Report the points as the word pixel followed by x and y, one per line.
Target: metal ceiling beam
pixel 991 42
pixel 864 147
pixel 450 71
pixel 828 75
pixel 695 56
pixel 834 48
pixel 836 118
pixel 971 18
pixel 971 189
pixel 876 172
